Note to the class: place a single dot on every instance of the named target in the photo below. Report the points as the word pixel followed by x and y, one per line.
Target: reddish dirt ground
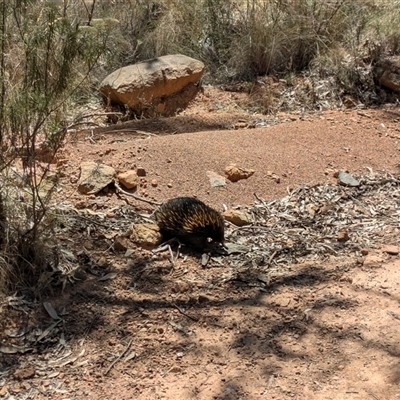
pixel 133 328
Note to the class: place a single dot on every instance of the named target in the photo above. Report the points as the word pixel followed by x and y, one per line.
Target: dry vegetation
pixel 301 307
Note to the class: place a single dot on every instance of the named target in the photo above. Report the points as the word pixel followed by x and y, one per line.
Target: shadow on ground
pixel 225 337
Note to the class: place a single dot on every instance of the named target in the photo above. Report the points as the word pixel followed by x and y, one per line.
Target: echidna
pixel 190 221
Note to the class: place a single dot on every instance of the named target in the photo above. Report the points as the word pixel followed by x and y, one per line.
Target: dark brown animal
pixel 190 221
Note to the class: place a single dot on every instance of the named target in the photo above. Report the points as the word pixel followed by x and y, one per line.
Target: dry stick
pixel 118 358
pixel 140 132
pixel 372 394
pixel 101 114
pixel 258 198
pixel 272 257
pixel 186 315
pixel 154 203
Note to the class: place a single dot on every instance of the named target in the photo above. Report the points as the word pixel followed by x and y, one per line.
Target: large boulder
pixel 162 85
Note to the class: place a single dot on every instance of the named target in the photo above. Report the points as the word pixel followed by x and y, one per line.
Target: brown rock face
pixel 161 85
pixel 94 177
pixel 237 217
pixel 146 235
pixel 128 179
pixel 235 173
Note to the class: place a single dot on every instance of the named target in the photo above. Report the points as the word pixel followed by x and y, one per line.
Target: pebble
pixel 237 217
pixel 372 260
pixel 203 299
pixel 140 171
pixel 346 179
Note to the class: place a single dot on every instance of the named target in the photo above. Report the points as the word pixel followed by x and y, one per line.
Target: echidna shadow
pixel 190 221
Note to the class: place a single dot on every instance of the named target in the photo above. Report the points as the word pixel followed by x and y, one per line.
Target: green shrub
pixel 47 60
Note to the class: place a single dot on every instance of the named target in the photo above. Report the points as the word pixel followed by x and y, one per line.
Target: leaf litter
pixel 307 225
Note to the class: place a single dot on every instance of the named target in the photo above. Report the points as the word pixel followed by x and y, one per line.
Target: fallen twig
pixel 154 203
pixel 118 358
pixel 186 315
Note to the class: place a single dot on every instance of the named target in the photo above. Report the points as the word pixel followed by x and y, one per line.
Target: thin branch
pixel 154 203
pixel 118 358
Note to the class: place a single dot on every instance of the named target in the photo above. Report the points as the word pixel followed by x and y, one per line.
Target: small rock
pixel 364 252
pixel 203 298
pixel 140 171
pixel 390 249
pixel 215 179
pixel 326 208
pixel 233 248
pixel 373 261
pixel 3 391
pixel 94 177
pixel 154 183
pixel 237 217
pixel 128 179
pixel 143 182
pixel 346 179
pixel 24 373
pixel 169 184
pixel 235 173
pixel 146 235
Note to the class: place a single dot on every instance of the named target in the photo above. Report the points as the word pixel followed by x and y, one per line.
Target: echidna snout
pixel 191 221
